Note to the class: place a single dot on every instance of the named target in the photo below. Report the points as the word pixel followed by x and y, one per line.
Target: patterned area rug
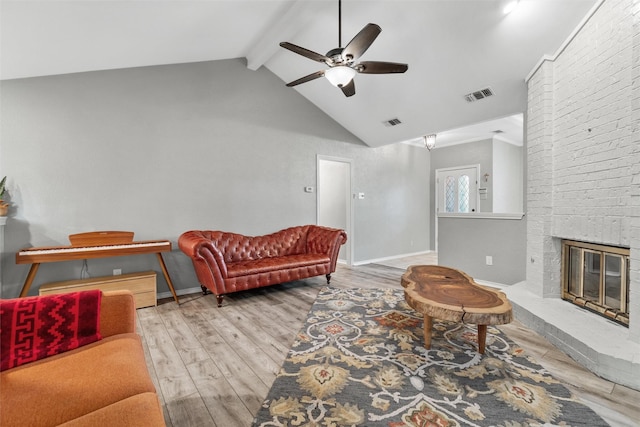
pixel 359 360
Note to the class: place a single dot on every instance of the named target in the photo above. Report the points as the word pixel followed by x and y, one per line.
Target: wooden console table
pixel 449 294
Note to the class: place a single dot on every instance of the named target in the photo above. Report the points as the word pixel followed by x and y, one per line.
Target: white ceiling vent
pixel 392 122
pixel 479 94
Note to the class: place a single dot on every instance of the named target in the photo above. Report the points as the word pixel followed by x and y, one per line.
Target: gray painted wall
pixel 161 150
pixel 464 243
pixel 507 177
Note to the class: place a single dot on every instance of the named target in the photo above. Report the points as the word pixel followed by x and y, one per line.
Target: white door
pixel 334 199
pixel 456 192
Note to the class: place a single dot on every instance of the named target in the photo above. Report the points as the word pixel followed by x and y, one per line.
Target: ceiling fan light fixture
pixel 340 75
pixel 342 60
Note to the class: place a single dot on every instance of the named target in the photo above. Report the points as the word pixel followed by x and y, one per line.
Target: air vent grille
pixel 479 94
pixel 392 122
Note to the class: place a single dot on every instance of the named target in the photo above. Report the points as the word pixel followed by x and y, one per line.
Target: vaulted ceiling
pixel 453 47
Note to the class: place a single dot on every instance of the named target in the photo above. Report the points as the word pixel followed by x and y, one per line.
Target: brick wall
pixel 583 148
pixel 539 181
pixel 635 173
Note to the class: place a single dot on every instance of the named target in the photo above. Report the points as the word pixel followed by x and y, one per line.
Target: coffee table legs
pixel 482 337
pixel 428 323
pixel 428 326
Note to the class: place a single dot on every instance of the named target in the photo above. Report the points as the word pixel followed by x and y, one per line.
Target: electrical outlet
pixel 117 271
pixel 489 259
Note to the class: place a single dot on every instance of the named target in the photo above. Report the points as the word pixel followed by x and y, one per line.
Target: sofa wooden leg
pixel 204 290
pixel 328 278
pixel 219 299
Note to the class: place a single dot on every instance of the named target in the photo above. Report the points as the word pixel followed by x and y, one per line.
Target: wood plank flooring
pixel 214 366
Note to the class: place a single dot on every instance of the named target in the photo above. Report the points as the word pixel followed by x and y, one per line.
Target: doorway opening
pixel 334 206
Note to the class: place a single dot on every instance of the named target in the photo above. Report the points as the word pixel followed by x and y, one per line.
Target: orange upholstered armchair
pixel 102 383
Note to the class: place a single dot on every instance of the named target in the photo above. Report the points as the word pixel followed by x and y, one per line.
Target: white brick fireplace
pixel 583 149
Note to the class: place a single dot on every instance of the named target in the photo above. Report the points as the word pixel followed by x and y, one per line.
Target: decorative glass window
pixel 457 190
pixel 463 193
pixel 450 194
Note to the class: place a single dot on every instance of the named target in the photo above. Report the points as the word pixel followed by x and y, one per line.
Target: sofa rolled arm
pixel 326 240
pixel 208 261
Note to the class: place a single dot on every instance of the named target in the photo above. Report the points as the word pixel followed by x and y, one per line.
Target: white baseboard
pixel 491 284
pixel 179 292
pixel 373 261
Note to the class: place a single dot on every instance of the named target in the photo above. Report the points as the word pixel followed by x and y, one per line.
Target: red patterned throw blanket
pixel 33 328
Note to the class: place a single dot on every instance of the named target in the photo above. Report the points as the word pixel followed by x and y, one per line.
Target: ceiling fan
pixel 342 60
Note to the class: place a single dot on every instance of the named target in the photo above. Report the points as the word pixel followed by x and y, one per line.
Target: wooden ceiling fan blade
pixel 306 52
pixel 308 78
pixel 361 42
pixel 349 89
pixel 378 67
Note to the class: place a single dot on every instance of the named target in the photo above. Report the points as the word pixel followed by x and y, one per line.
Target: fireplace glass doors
pixel 597 277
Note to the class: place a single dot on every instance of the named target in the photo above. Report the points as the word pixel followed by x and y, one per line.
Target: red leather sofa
pixel 228 262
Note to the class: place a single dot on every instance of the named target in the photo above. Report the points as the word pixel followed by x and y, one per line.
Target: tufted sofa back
pixel 237 247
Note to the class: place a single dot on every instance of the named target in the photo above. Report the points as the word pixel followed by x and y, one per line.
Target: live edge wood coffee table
pixel 449 294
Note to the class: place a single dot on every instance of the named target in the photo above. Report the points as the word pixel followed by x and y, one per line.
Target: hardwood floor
pixel 214 366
